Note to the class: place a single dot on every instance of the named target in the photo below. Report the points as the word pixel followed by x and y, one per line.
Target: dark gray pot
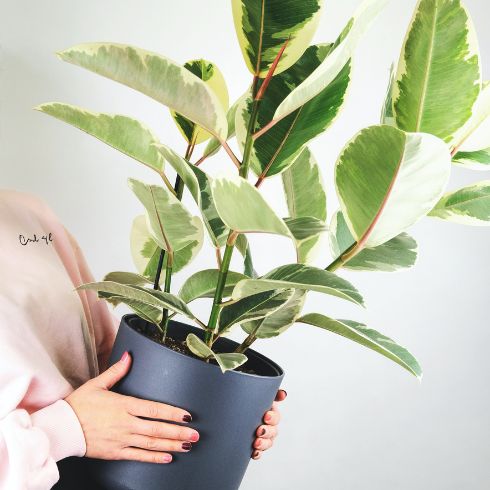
pixel 226 410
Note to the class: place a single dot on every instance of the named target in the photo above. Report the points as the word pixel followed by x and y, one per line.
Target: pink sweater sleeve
pixel 52 340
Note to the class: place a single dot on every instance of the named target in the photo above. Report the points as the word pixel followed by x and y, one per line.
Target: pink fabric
pixel 52 340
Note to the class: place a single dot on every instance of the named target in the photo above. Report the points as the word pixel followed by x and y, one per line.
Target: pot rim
pixel 126 319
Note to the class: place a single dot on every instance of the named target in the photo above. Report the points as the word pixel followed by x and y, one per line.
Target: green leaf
pixel 475 134
pixel 146 252
pixel 144 311
pixel 276 150
pixel 467 206
pixel 387 180
pixel 264 26
pixel 367 337
pixel 155 76
pixel 244 248
pixel 169 222
pixel 328 70
pixel 243 209
pixel 226 361
pixel 129 278
pixel 398 253
pixel 210 74
pixel 214 144
pixel 158 299
pixel 387 116
pixel 306 196
pixel 202 284
pixel 123 133
pixel 438 77
pixel 277 323
pixel 476 160
pixel 299 276
pixel 252 307
pixel 306 227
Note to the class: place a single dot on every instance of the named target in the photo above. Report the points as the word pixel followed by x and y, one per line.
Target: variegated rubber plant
pixel 387 177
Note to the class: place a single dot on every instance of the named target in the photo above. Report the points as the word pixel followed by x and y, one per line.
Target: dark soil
pixel 178 345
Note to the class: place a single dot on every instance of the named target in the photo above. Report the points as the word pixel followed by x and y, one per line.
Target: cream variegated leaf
pixel 264 26
pixel 155 76
pixel 438 77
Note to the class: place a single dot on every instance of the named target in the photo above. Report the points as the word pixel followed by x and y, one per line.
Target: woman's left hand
pixel 268 432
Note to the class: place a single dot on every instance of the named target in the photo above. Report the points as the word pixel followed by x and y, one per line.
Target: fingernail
pixel 267 417
pixel 125 356
pixel 167 458
pixel 187 418
pixel 262 432
pixel 194 437
pixel 255 454
pixel 258 443
pixel 187 446
pixel 285 394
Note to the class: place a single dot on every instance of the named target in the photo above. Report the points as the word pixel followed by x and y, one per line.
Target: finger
pixel 281 395
pixel 135 454
pixel 267 431
pixel 256 455
pixel 114 374
pixel 263 444
pixel 155 410
pixel 160 445
pixel 272 417
pixel 163 430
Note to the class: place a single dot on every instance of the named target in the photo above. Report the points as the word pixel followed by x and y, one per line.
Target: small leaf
pixel 170 224
pixel 387 116
pixel 144 71
pixel 128 278
pixel 396 254
pixel 252 307
pixel 243 247
pixel 368 338
pixel 202 284
pixel 277 323
pixel 253 213
pixel 226 361
pixel 299 276
pixel 467 206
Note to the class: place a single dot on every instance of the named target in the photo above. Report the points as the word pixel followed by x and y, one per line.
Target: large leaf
pixel 387 179
pixel 170 224
pixel 156 76
pixel 275 150
pixel 226 361
pixel 157 299
pixel 398 253
pixel 253 307
pixel 368 338
pixel 467 206
pixel 438 77
pixel 277 323
pixel 299 276
pixel 264 26
pixel 121 132
pixel 128 278
pixel 210 74
pixel 243 209
pixel 146 312
pixel 202 284
pixel 146 252
pixel 306 196
pixel 343 50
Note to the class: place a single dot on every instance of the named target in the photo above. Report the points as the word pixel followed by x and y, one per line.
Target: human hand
pixel 267 433
pixel 113 429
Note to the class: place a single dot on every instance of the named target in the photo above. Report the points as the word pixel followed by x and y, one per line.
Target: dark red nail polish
pixel 187 446
pixel 187 418
pixel 262 432
pixel 285 394
pixel 255 454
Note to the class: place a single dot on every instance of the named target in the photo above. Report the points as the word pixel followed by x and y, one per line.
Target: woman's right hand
pixel 112 425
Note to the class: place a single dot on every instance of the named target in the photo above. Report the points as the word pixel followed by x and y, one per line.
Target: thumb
pixel 115 373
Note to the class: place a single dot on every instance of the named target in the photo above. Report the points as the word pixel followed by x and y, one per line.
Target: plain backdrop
pixel 353 420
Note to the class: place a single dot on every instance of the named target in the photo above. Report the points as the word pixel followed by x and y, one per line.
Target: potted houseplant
pixel 387 177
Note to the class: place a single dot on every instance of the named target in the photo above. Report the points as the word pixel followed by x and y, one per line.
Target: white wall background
pixel 353 420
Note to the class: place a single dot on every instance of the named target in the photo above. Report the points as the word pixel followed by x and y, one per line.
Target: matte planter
pixel 226 410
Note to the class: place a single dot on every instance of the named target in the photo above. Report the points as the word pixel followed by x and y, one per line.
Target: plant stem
pixel 220 286
pixel 246 343
pixel 247 151
pixel 343 258
pixel 168 282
